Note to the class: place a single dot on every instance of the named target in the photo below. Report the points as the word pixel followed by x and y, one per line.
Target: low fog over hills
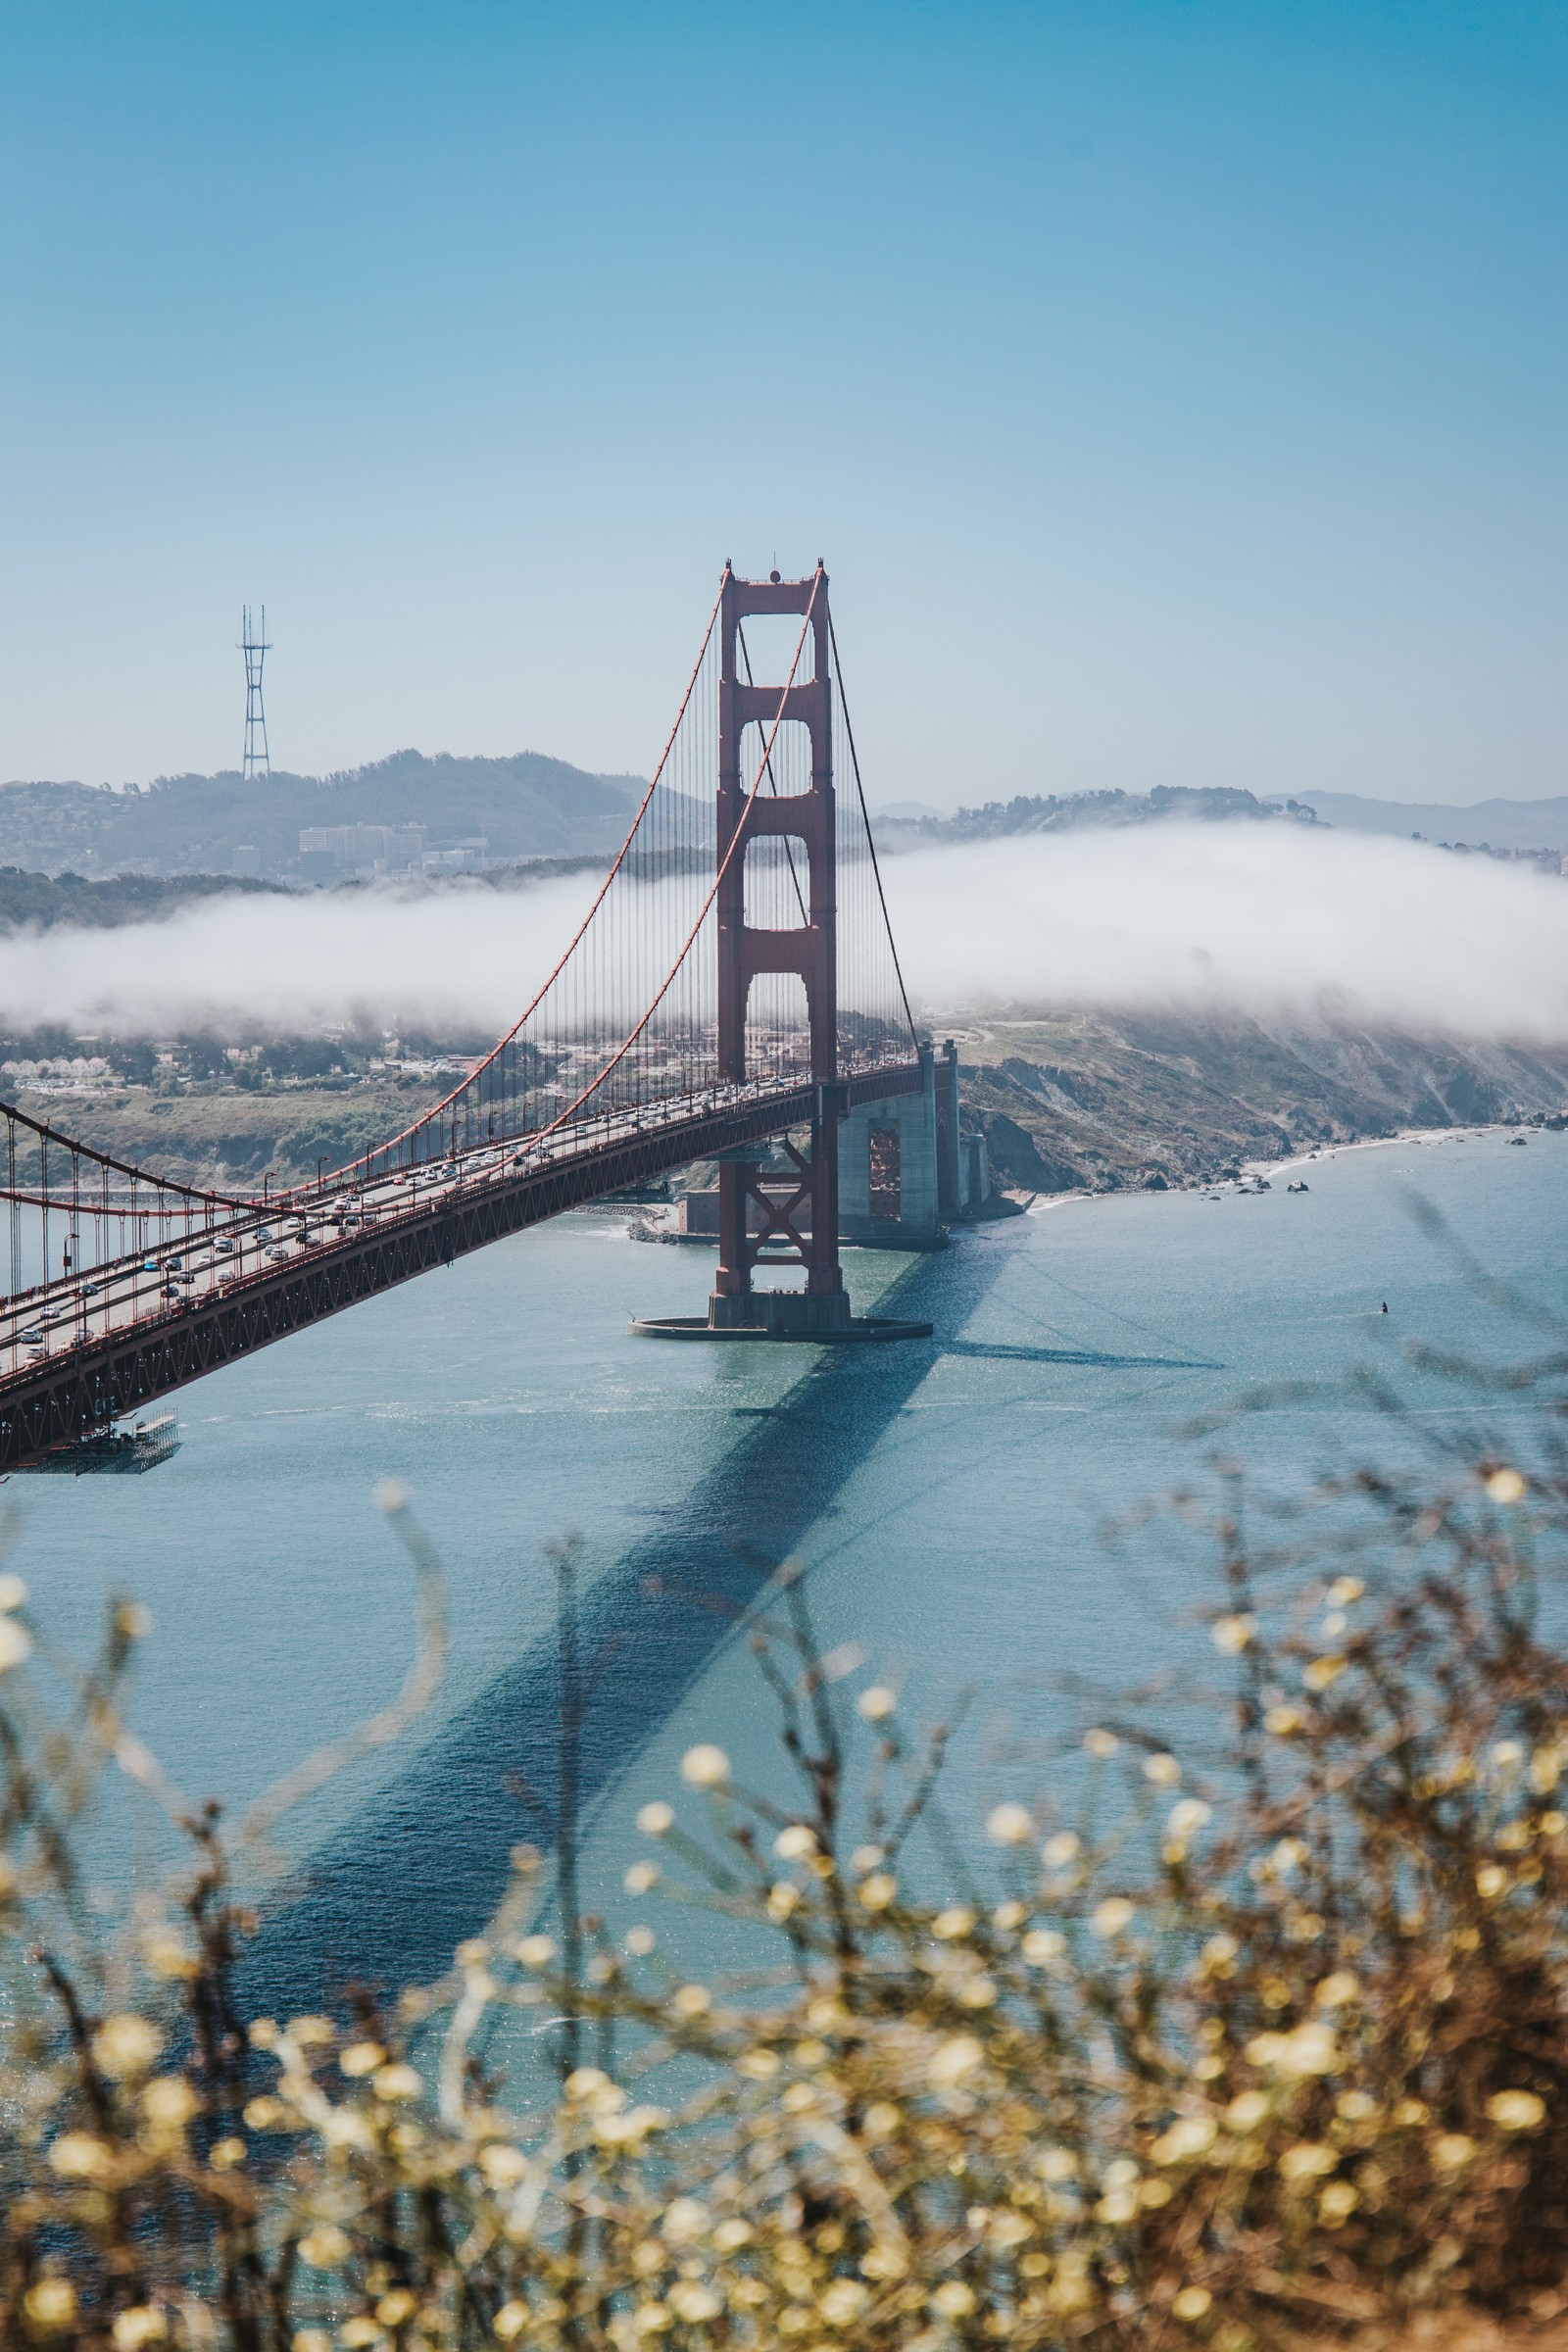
pixel 1136 1002
pixel 1191 918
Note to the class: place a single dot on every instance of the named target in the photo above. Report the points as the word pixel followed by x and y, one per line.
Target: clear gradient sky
pixel 1175 389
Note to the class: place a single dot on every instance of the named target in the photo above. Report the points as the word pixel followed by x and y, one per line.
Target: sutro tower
pixel 254 647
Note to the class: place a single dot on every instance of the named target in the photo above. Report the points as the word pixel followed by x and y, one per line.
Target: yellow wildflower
pixel 78 2156
pixel 1187 2135
pixel 324 2246
pixel 126 2045
pixel 142 2324
pixel 1516 2110
pixel 956 2058
pixel 842 2302
pixel 50 2302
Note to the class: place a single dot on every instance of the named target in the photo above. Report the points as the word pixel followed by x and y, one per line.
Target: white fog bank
pixel 1257 917
pixel 1272 919
pixel 266 965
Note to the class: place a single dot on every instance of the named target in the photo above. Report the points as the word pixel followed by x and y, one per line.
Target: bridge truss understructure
pixel 734 980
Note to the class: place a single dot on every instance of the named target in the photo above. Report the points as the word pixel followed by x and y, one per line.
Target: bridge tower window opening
pixel 777 880
pixel 764 646
pixel 779 1027
pixel 787 765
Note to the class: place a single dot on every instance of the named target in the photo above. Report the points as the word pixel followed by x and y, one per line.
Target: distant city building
pixel 330 850
pixel 246 860
pixel 464 858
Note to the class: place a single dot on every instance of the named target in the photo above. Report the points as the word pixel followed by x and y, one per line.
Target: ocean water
pixel 947 1499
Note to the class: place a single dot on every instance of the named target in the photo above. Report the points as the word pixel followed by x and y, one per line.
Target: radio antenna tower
pixel 254 647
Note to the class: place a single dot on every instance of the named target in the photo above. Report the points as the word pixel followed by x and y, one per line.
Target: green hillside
pixel 524 805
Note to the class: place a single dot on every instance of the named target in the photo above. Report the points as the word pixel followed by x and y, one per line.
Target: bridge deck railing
pixel 228 1252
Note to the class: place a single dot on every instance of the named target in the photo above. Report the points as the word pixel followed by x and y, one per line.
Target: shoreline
pixel 1042 1203
pixel 1382 1142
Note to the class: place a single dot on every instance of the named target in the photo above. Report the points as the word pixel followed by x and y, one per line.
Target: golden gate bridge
pixel 734 981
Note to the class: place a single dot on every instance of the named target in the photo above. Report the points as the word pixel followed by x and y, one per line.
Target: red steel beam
pixel 45 1408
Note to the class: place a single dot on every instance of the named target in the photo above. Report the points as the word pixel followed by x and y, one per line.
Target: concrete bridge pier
pixel 900 1178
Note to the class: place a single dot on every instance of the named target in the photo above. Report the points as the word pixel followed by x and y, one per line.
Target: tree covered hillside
pixel 524 805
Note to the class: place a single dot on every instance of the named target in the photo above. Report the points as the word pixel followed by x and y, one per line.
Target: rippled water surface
pixel 947 1497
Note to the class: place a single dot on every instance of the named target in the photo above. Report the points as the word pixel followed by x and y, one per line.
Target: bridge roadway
pixel 78 1354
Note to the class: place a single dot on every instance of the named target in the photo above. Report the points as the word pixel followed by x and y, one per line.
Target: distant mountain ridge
pixel 530 805
pixel 1493 824
pixel 525 806
pixel 45 900
pixel 1067 813
pixel 1497 824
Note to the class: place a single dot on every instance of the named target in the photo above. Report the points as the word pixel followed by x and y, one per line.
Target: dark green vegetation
pixel 525 806
pixel 1069 813
pixel 45 900
pixel 1504 827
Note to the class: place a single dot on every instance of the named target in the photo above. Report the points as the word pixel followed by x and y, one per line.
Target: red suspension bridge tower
pixel 746 952
pixel 731 995
pixel 796 1222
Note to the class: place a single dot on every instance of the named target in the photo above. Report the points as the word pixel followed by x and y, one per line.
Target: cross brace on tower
pixel 747 952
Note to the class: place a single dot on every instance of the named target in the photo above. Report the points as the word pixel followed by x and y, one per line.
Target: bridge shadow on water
pixel 424 1863
pixel 999 1352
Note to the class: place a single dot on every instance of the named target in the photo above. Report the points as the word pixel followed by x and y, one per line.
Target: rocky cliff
pixel 1103 1101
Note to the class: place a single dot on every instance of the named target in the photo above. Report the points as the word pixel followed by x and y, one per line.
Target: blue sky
pixel 1176 392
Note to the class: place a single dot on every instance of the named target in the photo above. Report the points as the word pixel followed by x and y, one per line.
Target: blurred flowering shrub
pixel 1166 2052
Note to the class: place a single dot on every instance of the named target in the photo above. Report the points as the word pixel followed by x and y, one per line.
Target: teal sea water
pixel 948 1498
